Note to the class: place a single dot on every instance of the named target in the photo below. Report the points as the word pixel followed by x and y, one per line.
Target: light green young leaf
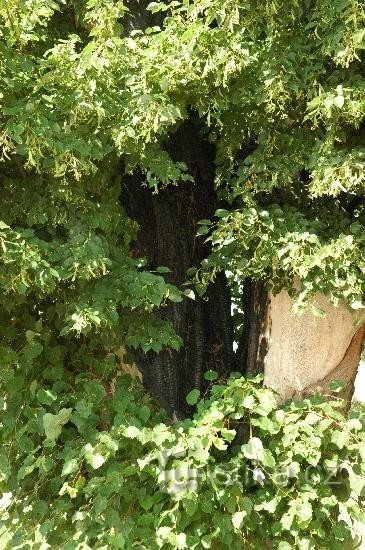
pixel 254 449
pixel 53 423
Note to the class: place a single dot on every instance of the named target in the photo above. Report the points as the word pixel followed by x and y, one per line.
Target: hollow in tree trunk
pixel 167 237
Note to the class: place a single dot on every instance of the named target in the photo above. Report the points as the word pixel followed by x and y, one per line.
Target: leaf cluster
pixel 93 463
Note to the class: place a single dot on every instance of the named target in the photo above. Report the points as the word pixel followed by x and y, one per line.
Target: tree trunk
pixel 300 355
pixel 253 344
pixel 167 237
pixel 297 355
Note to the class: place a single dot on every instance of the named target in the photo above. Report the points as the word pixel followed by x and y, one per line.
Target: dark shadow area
pixel 168 224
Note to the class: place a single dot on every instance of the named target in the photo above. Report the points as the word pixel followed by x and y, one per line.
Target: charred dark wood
pixel 168 223
pixel 254 340
pixel 139 18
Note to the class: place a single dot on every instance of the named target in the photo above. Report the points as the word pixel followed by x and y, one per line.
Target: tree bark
pixel 167 237
pixel 253 344
pixel 300 355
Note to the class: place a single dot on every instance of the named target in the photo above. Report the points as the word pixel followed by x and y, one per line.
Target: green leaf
pixel 117 540
pixel 46 397
pixel 264 423
pixel 53 423
pixel 287 520
pixel 155 7
pixel 340 438
pixel 211 375
pixel 144 413
pixel 249 402
pixel 163 269
pixel 15 384
pixel 95 459
pixel 190 505
pixel 30 335
pixel 193 397
pixel 339 101
pixel 357 304
pixel 336 385
pixel 354 424
pixel 147 502
pixel 132 432
pixel 70 466
pixel 237 519
pixel 228 435
pixel 221 213
pixel 304 511
pixel 203 230
pixel 254 449
pixel 181 540
pixel 189 293
pixel 33 387
pixel 268 459
pixel 247 505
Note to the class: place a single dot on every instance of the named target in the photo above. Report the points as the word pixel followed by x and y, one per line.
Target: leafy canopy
pixel 279 87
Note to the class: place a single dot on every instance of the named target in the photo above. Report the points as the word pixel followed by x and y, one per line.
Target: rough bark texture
pixel 346 370
pixel 298 355
pixel 253 345
pixel 167 237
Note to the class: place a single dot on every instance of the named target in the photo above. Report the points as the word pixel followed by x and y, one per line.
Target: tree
pixel 165 164
pixel 271 109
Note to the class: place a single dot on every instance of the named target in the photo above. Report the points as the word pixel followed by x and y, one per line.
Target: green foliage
pixel 279 88
pixel 281 84
pixel 90 463
pixel 294 247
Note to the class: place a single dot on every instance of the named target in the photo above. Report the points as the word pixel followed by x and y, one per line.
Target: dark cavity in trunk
pixel 168 224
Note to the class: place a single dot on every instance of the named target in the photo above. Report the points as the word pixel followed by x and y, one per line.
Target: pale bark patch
pixel 305 352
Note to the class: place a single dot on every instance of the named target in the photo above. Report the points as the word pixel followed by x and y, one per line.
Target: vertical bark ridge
pixel 254 343
pixel 167 236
